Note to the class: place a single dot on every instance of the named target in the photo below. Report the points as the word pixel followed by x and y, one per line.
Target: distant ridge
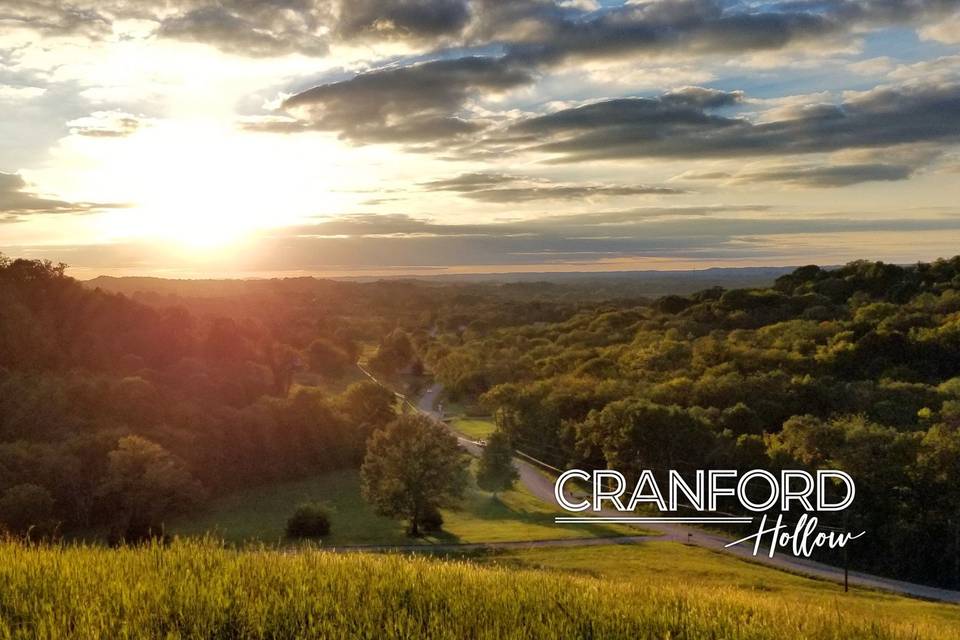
pixel 649 283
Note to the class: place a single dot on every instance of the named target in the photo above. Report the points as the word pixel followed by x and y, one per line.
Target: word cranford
pixel 756 490
pixel 793 486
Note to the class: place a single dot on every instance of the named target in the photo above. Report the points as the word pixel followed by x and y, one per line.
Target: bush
pixel 310 520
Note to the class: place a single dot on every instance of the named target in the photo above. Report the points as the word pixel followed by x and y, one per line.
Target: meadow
pixel 260 515
pixel 198 589
pixel 473 428
pixel 671 565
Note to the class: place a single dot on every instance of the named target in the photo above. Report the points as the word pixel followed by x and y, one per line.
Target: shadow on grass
pixel 484 506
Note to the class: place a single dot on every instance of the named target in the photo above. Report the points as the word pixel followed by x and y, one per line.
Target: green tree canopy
pixel 413 467
pixel 496 471
pixel 145 484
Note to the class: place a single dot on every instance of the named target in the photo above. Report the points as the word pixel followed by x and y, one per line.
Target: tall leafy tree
pixel 496 472
pixel 412 468
pixel 145 484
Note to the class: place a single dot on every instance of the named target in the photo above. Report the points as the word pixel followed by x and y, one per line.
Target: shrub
pixel 310 520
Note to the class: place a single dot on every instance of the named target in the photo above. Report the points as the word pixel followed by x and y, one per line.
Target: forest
pixel 855 368
pixel 119 411
pixel 124 402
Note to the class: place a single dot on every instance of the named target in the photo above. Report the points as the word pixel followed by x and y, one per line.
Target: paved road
pixel 540 485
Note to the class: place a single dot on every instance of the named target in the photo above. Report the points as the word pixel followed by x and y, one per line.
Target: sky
pixel 244 138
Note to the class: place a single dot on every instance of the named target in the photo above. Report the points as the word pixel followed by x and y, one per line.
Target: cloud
pixel 530 37
pixel 412 104
pixel 400 19
pixel 702 97
pixel 658 128
pixel 538 31
pixel 106 124
pixel 688 234
pixel 55 18
pixel 946 31
pixel 503 188
pixel 703 175
pixel 16 94
pixel 308 27
pixel 829 175
pixel 17 199
pixel 708 233
pixel 469 182
pixel 255 29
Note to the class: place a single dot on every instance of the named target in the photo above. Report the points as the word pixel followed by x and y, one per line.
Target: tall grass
pixel 196 589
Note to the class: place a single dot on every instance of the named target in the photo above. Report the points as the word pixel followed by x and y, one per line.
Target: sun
pixel 203 186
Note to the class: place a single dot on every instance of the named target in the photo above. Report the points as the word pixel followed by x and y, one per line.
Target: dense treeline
pixel 126 401
pixel 115 415
pixel 856 368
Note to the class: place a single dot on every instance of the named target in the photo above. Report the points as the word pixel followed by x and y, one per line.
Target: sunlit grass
pixel 474 428
pixel 674 565
pixel 200 590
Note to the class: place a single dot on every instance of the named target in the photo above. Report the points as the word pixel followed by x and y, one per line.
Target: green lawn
pixel 260 515
pixel 674 565
pixel 465 421
pixel 474 428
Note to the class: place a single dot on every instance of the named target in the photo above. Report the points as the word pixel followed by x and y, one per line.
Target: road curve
pixel 537 482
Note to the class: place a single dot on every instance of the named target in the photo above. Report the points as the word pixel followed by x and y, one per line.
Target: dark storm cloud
pixel 18 199
pixel 829 175
pixel 651 128
pixel 502 188
pixel 411 104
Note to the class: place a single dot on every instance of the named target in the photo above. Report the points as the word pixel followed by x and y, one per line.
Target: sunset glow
pixel 147 128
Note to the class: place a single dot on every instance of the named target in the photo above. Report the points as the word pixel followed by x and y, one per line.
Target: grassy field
pixel 200 590
pixel 467 422
pixel 260 515
pixel 474 428
pixel 670 564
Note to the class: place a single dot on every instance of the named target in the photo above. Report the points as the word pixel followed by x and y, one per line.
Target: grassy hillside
pixel 197 590
pixel 261 514
pixel 673 565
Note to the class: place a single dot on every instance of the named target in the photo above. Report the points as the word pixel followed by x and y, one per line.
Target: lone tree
pixel 412 468
pixel 496 472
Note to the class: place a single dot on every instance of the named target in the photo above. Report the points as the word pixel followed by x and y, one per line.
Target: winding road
pixel 540 485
